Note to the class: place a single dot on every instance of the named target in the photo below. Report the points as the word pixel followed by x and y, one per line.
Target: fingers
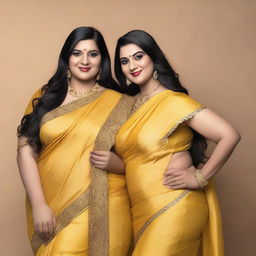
pixel 174 182
pixel 98 164
pixel 170 180
pixel 46 230
pixel 51 227
pixel 172 172
pixel 98 158
pixel 180 186
pixel 43 230
pixel 100 153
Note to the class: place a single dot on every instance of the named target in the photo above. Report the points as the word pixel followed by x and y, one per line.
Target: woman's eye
pixel 76 53
pixel 93 54
pixel 138 57
pixel 124 61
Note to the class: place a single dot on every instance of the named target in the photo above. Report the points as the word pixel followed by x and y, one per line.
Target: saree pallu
pixel 166 222
pixel 68 135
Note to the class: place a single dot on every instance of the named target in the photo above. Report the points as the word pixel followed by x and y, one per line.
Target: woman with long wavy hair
pixel 74 208
pixel 174 205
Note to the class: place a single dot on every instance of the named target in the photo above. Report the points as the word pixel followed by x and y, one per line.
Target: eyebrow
pixel 133 54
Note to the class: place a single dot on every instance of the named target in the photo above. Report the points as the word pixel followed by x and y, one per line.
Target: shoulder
pixel 37 94
pixel 181 100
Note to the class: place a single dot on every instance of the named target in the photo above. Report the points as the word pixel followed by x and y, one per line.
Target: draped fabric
pixel 166 222
pixel 68 135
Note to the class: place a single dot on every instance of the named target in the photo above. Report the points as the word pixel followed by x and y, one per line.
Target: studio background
pixel 210 43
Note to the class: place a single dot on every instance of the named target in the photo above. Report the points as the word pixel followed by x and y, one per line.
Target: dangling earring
pixel 69 75
pixel 98 75
pixel 128 82
pixel 155 75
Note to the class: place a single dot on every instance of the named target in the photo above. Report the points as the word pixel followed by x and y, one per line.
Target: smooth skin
pixel 85 54
pixel 180 173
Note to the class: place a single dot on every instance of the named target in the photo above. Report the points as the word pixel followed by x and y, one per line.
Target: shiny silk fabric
pixel 166 222
pixel 68 135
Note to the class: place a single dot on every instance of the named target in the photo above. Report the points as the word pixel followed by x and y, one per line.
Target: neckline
pixel 71 106
pixel 149 100
pixel 136 113
pixel 80 99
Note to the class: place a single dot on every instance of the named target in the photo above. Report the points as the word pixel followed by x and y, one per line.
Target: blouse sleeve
pixel 183 108
pixel 29 107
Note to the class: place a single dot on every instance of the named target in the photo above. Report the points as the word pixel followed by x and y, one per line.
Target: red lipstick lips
pixel 137 73
pixel 83 69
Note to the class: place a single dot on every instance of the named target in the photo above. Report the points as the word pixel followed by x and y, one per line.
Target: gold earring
pixel 69 75
pixel 98 75
pixel 155 75
pixel 128 82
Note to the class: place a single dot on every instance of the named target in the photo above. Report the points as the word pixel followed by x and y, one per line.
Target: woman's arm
pixel 108 161
pixel 43 217
pixel 216 129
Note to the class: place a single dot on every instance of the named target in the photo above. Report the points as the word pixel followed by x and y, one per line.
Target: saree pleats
pixel 166 222
pixel 68 135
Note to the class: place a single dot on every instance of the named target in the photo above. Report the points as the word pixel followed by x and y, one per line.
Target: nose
pixel 85 60
pixel 132 65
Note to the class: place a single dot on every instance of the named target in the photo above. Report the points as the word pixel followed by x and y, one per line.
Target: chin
pixel 139 81
pixel 87 77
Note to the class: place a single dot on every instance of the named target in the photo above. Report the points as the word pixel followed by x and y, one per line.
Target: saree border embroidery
pixel 73 105
pixel 185 118
pixel 98 197
pixel 158 213
pixel 67 215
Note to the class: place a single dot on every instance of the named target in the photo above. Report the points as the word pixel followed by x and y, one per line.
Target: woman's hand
pixel 175 178
pixel 108 161
pixel 44 221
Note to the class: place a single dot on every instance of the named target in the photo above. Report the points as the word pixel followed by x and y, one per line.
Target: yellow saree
pixel 166 222
pixel 68 134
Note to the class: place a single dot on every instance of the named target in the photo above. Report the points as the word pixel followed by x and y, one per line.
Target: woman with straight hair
pixel 74 208
pixel 175 210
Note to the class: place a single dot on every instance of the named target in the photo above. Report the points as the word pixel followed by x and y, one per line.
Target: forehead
pixel 88 44
pixel 129 50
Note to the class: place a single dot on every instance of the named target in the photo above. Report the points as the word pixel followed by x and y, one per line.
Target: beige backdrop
pixel 211 44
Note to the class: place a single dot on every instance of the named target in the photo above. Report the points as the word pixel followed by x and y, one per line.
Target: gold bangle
pixel 200 179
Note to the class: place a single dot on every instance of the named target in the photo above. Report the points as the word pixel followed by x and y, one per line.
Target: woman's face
pixel 136 65
pixel 85 60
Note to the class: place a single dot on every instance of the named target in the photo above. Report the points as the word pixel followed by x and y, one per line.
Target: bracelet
pixel 200 179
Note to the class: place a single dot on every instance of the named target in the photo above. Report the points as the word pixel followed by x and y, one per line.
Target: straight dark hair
pixel 166 75
pixel 54 92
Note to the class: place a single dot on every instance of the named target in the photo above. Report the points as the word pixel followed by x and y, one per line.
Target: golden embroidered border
pixel 97 194
pixel 73 210
pixel 186 118
pixel 73 105
pixel 98 201
pixel 158 213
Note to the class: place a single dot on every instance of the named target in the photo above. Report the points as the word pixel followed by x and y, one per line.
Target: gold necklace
pixel 143 98
pixel 80 95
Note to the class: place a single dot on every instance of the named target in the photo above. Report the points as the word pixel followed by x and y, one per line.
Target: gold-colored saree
pixel 68 134
pixel 166 222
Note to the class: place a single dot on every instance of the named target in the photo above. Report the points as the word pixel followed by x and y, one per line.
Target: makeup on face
pixel 136 65
pixel 85 60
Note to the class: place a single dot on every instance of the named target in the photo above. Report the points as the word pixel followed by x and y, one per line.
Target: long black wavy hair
pixel 54 92
pixel 166 75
